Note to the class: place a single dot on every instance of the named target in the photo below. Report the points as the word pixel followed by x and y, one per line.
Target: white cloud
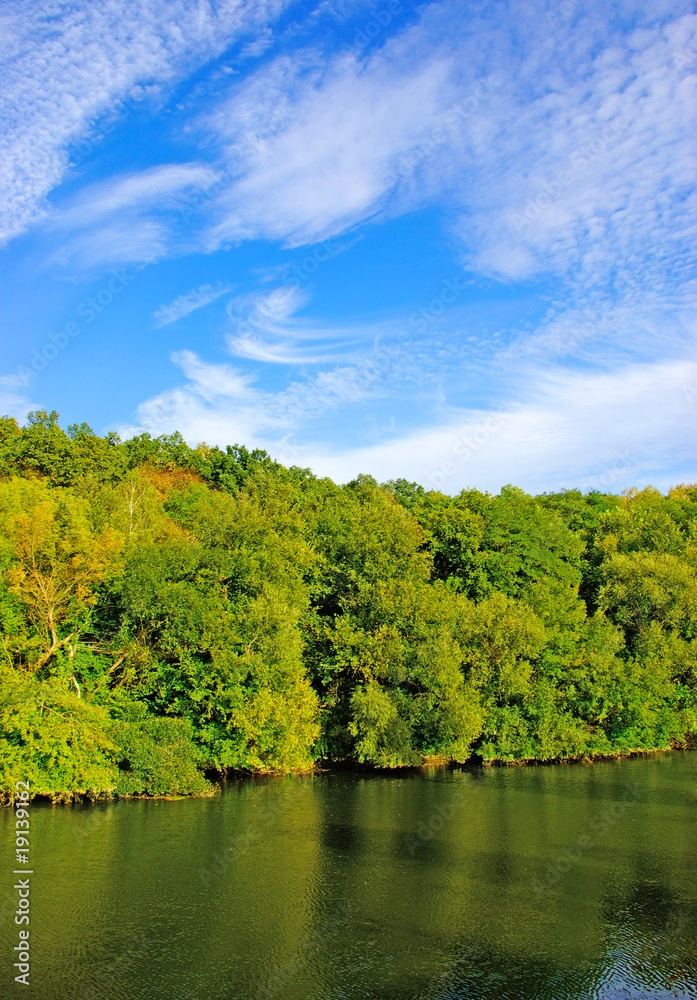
pixel 217 399
pixel 266 329
pixel 185 304
pixel 67 65
pixel 559 151
pixel 128 219
pixel 118 242
pixel 591 164
pixel 636 323
pixel 314 150
pixel 255 349
pixel 560 146
pixel 158 187
pixel 557 429
pixel 217 404
pixel 270 310
pixel 214 381
pixel 587 126
pixel 14 403
pixel 577 161
pixel 611 432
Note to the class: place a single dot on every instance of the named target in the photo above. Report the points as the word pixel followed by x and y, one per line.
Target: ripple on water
pixel 424 886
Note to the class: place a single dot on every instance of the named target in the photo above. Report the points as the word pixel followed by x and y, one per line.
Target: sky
pixel 451 242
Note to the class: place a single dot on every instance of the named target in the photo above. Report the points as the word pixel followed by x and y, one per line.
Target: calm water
pixel 551 882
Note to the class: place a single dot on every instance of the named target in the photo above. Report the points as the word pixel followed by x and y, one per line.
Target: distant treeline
pixel 167 610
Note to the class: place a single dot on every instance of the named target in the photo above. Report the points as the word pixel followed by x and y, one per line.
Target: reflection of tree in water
pixel 650 954
pixel 482 973
pixel 652 938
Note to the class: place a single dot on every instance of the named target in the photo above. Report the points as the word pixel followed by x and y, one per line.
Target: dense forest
pixel 169 611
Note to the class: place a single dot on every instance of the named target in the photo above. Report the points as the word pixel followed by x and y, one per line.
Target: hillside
pixel 167 610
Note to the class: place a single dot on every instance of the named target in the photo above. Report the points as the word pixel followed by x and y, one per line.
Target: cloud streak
pixel 580 154
pixel 183 305
pixel 314 149
pixel 129 219
pixel 556 428
pixel 265 328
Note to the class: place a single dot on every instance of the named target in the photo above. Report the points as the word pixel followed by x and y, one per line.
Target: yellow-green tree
pixel 54 562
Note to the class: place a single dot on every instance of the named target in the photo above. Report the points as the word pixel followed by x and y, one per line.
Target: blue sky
pixel 452 242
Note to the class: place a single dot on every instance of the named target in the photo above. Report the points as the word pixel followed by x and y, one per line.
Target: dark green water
pixel 551 882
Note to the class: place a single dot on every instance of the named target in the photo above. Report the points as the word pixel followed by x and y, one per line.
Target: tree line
pixel 169 611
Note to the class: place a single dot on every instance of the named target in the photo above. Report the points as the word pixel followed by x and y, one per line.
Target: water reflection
pixel 553 882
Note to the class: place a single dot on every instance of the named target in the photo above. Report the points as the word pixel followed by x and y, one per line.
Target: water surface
pixel 561 882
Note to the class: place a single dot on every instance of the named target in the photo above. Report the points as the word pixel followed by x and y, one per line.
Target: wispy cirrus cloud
pixel 216 400
pixel 590 166
pixel 555 429
pixel 556 146
pixel 564 431
pixel 158 187
pixel 574 157
pixel 555 423
pixel 128 219
pixel 577 159
pixel 313 148
pixel 65 65
pixel 183 305
pixel 265 327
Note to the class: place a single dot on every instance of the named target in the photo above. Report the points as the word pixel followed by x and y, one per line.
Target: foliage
pixel 55 741
pixel 167 609
pixel 157 755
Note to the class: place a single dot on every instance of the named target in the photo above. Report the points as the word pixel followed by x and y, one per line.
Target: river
pixel 557 882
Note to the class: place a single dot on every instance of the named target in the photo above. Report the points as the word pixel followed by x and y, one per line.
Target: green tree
pixel 53 740
pixel 56 561
pixel 642 588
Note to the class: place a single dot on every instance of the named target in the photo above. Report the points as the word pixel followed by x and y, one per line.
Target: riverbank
pixel 214 779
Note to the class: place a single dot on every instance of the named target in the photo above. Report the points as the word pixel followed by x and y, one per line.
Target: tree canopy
pixel 167 610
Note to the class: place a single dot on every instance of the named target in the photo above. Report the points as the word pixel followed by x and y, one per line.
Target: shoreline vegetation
pixel 215 780
pixel 168 612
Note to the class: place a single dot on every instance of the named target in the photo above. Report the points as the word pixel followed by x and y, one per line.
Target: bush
pixel 156 755
pixel 53 740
